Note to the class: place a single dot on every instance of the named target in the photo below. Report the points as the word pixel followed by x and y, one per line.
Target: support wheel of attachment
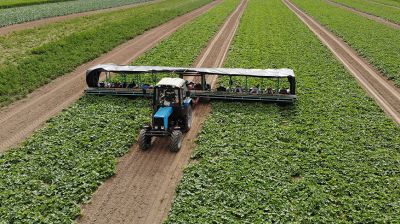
pixel 144 140
pixel 176 141
pixel 188 119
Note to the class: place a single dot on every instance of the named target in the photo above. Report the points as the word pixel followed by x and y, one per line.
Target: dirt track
pixel 364 14
pixel 20 119
pixel 144 186
pixel 374 83
pixel 36 23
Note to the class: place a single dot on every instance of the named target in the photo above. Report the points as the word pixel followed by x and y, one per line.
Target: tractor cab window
pixel 168 96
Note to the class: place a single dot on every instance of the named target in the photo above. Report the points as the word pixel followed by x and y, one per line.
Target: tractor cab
pixel 172 113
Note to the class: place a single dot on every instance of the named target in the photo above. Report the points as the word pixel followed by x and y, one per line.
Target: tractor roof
pixel 268 73
pixel 174 82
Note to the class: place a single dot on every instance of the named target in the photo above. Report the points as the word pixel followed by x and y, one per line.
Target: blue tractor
pixel 172 113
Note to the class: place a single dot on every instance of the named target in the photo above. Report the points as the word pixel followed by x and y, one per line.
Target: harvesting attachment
pixel 173 99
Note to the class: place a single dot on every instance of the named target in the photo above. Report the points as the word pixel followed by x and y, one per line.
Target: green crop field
pixel 376 42
pixel 85 140
pixel 332 158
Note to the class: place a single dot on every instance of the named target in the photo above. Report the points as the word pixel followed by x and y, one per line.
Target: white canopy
pixel 273 73
pixel 176 82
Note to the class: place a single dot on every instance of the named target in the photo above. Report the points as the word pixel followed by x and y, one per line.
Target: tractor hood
pixel 164 113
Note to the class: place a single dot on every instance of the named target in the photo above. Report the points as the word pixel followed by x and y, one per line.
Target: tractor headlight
pixel 162 127
pixel 156 127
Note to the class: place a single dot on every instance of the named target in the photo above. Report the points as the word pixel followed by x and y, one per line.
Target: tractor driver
pixel 168 98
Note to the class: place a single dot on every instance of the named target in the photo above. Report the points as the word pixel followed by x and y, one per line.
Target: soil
pixel 367 15
pixel 20 119
pixel 143 188
pixel 383 91
pixel 36 23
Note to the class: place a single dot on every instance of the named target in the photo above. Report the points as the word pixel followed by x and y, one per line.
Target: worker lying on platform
pixel 255 90
pixel 283 91
pixel 238 89
pixel 221 88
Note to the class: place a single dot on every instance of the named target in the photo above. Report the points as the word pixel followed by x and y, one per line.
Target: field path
pixel 374 83
pixel 36 23
pixel 21 118
pixel 364 14
pixel 143 188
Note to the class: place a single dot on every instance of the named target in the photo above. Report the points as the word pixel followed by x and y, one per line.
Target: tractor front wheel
pixel 176 141
pixel 144 140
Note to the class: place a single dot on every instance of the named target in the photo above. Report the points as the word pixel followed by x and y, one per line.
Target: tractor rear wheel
pixel 188 119
pixel 176 141
pixel 144 140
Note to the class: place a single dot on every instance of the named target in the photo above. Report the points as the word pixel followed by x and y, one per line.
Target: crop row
pixel 59 167
pixel 331 158
pixel 11 16
pixel 53 59
pixel 387 12
pixel 378 43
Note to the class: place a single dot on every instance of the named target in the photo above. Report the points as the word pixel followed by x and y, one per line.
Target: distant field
pixel 15 3
pixel 23 14
pixel 395 3
pixel 385 11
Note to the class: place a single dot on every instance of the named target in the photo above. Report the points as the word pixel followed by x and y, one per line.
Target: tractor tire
pixel 176 141
pixel 188 119
pixel 144 141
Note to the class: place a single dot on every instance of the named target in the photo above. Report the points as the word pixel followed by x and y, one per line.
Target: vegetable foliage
pixel 332 158
pixel 62 164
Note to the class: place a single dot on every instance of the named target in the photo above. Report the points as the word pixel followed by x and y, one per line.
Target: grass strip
pixel 387 12
pixel 332 158
pixel 378 43
pixel 54 59
pixel 61 165
pixel 56 8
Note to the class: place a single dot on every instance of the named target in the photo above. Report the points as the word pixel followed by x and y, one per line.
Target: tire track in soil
pixel 41 22
pixel 20 119
pixel 143 188
pixel 372 81
pixel 364 14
